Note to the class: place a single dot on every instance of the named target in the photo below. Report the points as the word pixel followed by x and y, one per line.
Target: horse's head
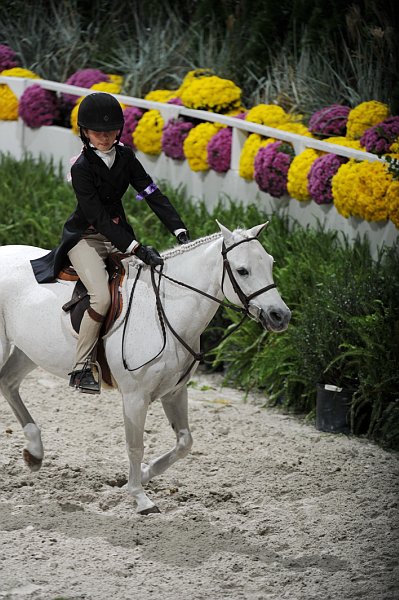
pixel 248 278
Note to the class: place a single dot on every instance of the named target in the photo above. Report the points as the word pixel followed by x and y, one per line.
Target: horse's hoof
pixel 148 511
pixel 31 461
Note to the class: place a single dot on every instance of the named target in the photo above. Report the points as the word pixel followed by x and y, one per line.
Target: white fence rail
pixel 60 144
pixel 169 111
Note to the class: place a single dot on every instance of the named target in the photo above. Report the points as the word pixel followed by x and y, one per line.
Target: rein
pixel 163 319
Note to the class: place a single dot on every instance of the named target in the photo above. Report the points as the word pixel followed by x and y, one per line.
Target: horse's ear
pixel 257 230
pixel 225 232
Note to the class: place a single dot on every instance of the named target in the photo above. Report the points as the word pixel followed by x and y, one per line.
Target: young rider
pixel 98 225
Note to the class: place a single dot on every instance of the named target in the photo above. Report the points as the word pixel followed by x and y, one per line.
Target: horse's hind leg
pixel 15 369
pixel 175 407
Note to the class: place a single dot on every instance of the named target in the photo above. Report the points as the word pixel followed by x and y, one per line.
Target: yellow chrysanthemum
pixel 160 95
pixel 268 114
pixel 8 100
pixel 8 104
pixel 106 86
pixel 392 200
pixel 394 148
pixel 249 152
pixel 195 146
pixel 343 186
pixel 117 79
pixel 373 181
pixel 364 116
pixel 147 136
pixel 344 141
pixel 19 72
pixel 211 93
pixel 74 117
pixel 191 76
pixel 360 189
pixel 298 128
pixel 297 180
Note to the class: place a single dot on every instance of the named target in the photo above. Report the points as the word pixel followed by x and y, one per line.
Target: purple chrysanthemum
pixel 320 175
pixel 8 59
pixel 132 117
pixel 330 120
pixel 219 150
pixel 379 138
pixel 173 135
pixel 83 78
pixel 38 106
pixel 271 168
pixel 176 101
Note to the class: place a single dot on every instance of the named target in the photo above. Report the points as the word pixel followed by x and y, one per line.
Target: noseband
pixel 244 299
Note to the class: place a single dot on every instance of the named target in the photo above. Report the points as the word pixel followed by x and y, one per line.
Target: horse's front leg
pixel 175 407
pixel 134 413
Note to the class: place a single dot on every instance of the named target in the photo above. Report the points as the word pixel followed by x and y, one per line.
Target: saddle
pixel 80 302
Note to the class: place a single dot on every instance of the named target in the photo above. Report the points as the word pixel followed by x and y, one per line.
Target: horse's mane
pixel 181 249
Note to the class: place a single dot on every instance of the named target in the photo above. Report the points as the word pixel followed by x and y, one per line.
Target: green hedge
pixel 344 331
pixel 345 306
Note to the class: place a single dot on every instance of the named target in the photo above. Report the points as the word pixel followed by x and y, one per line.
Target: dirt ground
pixel 265 507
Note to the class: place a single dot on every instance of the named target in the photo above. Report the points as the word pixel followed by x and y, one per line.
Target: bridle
pixel 244 299
pixel 163 319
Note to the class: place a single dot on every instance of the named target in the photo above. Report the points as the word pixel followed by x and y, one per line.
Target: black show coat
pixel 99 191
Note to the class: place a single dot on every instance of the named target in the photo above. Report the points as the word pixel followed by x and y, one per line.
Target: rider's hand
pixel 183 237
pixel 149 256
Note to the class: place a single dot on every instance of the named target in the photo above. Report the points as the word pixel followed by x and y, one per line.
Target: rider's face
pixel 102 140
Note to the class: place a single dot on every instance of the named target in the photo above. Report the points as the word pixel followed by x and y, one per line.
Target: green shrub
pixel 344 331
pixel 35 200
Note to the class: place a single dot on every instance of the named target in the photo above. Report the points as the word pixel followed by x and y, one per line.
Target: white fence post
pixel 237 143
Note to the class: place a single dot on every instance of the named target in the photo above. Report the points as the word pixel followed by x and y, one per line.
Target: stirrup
pixel 83 379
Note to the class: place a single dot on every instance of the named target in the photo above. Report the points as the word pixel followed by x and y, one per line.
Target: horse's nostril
pixel 276 316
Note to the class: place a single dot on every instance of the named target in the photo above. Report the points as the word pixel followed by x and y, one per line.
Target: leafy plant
pixel 344 331
pixel 300 58
pixel 35 200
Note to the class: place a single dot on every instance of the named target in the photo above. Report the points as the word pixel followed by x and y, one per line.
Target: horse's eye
pixel 242 272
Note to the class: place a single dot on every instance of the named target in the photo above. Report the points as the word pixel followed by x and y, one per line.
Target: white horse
pixel 146 358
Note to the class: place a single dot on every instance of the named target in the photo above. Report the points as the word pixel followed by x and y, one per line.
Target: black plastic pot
pixel 333 409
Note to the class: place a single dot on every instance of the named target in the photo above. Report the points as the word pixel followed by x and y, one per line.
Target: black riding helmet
pixel 100 112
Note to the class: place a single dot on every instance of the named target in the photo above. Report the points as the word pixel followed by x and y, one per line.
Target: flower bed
pixel 361 188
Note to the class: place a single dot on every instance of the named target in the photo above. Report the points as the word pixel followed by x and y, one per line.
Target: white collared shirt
pixel 108 157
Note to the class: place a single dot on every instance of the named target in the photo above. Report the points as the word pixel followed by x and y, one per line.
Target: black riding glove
pixel 183 237
pixel 149 256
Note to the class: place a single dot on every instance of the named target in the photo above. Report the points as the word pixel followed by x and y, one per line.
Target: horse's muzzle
pixel 275 319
